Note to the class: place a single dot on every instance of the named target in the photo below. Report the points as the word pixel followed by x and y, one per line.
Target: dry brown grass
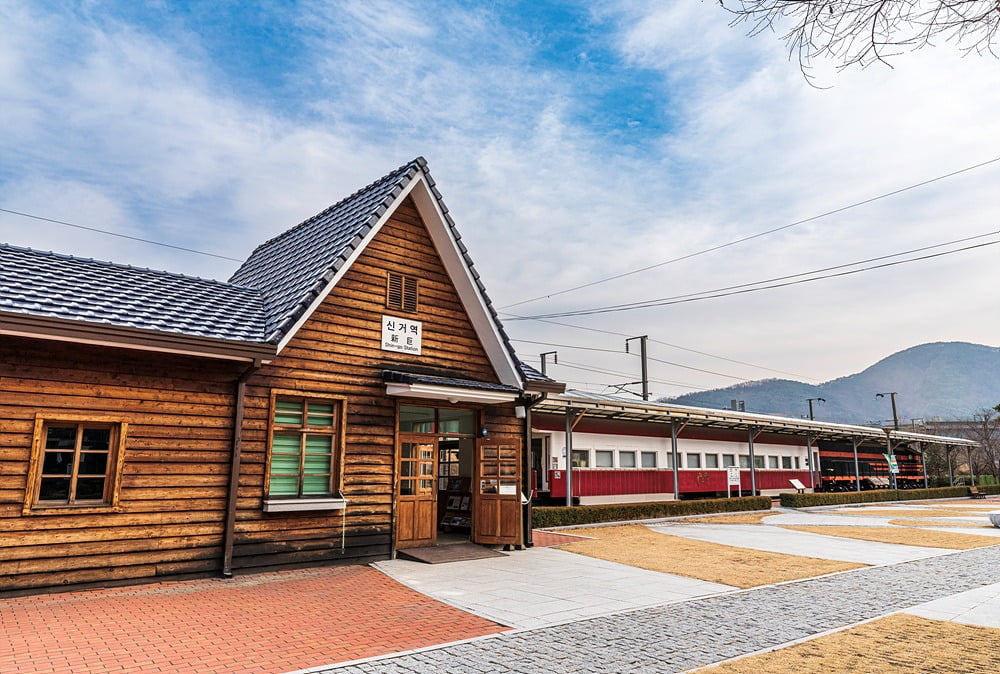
pixel 635 545
pixel 925 539
pixel 891 645
pixel 932 523
pixel 910 512
pixel 740 518
pixel 995 500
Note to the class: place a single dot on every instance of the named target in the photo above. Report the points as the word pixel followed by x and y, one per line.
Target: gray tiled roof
pixel 529 373
pixel 60 286
pixel 259 304
pixel 293 268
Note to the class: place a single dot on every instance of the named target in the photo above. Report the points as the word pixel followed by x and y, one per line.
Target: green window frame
pixel 305 447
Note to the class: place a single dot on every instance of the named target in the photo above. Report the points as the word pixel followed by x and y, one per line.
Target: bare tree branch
pixel 863 32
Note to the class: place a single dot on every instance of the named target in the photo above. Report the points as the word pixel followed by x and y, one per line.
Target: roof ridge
pixel 419 163
pixel 119 265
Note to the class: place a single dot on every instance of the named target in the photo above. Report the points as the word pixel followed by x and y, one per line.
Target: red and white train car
pixel 624 450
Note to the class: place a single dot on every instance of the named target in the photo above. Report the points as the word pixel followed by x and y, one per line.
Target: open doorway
pixel 436 461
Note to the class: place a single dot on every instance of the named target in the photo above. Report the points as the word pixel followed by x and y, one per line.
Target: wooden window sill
pixel 291 505
pixel 70 509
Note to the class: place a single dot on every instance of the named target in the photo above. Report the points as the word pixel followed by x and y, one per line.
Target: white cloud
pixel 111 126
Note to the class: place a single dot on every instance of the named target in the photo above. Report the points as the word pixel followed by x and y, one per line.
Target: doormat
pixel 457 552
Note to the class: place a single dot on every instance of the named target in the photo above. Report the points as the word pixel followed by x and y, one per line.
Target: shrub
pixel 556 516
pixel 841 497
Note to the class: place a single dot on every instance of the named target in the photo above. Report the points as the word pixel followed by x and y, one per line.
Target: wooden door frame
pixel 481 529
pixel 416 438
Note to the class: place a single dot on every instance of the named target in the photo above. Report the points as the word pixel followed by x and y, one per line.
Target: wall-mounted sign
pixel 401 334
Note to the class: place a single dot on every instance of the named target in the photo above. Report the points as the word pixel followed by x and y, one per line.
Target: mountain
pixel 947 380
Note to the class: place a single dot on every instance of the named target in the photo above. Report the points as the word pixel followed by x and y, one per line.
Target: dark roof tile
pixel 260 303
pixel 60 286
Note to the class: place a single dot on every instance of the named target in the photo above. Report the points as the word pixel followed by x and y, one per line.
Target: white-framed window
pixel 786 462
pixel 648 459
pixel 797 463
pixel 604 458
pixel 772 462
pixel 669 460
pixel 694 460
pixel 728 460
pixel 758 462
pixel 581 458
pixel 626 459
pixel 744 460
pixel 711 461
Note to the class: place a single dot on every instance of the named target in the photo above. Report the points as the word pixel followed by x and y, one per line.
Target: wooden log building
pixel 349 392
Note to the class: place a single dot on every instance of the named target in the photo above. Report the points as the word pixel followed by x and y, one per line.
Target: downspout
pixel 526 482
pixel 234 469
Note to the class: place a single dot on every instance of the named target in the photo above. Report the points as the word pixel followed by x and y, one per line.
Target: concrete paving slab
pixel 776 539
pixel 820 518
pixel 974 607
pixel 543 586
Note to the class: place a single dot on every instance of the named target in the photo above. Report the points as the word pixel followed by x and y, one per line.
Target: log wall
pixel 174 479
pixel 178 446
pixel 337 352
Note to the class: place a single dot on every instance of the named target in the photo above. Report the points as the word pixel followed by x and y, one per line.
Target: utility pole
pixel 810 400
pixel 895 416
pixel 555 359
pixel 645 365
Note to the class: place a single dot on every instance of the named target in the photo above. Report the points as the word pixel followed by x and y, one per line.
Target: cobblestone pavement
pixel 680 636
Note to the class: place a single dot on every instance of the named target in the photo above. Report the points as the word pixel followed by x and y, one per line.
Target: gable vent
pixel 401 292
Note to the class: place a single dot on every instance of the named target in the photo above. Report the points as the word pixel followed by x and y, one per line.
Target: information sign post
pixel 732 479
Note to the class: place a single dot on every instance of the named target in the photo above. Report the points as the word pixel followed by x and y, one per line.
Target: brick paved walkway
pixel 272 622
pixel 684 635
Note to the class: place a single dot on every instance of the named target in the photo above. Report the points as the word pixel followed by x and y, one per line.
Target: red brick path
pixel 273 622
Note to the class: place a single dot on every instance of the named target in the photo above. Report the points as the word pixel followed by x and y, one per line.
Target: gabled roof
pixel 268 297
pixel 292 269
pixel 63 287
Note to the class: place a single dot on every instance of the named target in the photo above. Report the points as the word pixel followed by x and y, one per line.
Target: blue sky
pixel 572 141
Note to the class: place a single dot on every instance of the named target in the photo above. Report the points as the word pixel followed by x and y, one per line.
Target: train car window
pixel 581 458
pixel 786 462
pixel 669 463
pixel 744 460
pixel 797 464
pixel 758 462
pixel 772 462
pixel 604 458
pixel 626 459
pixel 649 459
pixel 728 460
pixel 694 460
pixel 711 461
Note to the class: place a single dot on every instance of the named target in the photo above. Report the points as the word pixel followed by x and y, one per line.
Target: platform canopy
pixel 592 405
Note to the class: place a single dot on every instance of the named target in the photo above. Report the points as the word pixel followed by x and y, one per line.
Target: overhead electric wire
pixel 657 341
pixel 666 382
pixel 654 302
pixel 665 362
pixel 759 234
pixel 118 234
pixel 715 294
pixel 567 346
